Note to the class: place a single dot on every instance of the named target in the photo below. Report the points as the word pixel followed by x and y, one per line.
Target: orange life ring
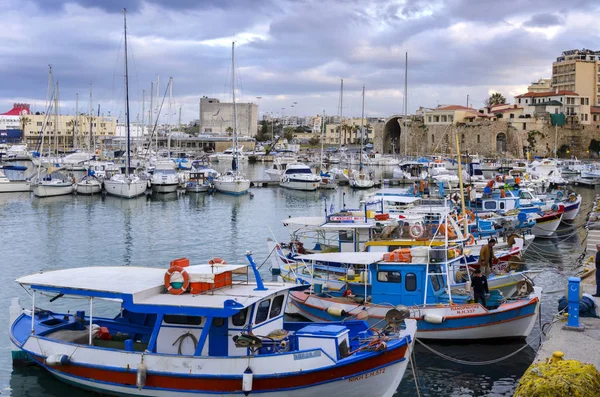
pixel 186 280
pixel 470 239
pixel 215 261
pixel 451 233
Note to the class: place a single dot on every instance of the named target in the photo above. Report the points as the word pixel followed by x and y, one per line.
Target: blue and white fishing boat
pixel 201 330
pixel 421 283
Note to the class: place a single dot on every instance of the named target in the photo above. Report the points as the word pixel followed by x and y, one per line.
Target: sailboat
pixel 233 182
pixel 327 177
pixel 53 184
pixel 360 179
pixel 126 185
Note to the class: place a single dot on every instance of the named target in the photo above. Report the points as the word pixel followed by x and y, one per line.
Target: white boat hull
pixel 52 190
pixel 164 187
pixel 234 187
pixel 299 185
pixel 125 189
pixel 15 187
pixel 546 229
pixel 88 188
pixel 197 189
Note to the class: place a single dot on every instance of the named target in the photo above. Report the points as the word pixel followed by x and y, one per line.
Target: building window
pixel 102 124
pixel 594 117
pixel 429 118
pixel 512 115
pixel 432 139
pixel 519 100
pixel 583 101
pixel 525 101
pixel 501 142
pixel 462 139
pixel 39 123
pixel 478 139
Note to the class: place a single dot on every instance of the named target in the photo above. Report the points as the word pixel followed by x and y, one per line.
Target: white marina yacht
pixel 233 182
pixel 571 167
pixel 547 170
pixel 440 173
pixel 299 177
pixel 126 186
pixel 280 164
pixel 8 186
pixel 227 155
pixel 88 185
pixel 52 185
pixel 165 178
pixel 591 171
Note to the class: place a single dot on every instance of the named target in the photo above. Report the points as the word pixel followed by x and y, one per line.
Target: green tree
pixel 288 133
pixel 229 131
pixel 314 141
pixel 495 99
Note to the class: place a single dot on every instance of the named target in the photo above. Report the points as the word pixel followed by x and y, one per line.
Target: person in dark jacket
pixel 479 286
pixel 597 294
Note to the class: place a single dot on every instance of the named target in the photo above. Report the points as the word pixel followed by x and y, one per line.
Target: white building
pixel 216 117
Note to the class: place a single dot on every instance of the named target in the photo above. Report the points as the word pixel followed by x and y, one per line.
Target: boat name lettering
pixel 305 355
pixel 347 218
pixel 463 310
pixel 367 375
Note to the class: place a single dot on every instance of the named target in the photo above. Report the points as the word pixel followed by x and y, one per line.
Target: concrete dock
pixel 581 346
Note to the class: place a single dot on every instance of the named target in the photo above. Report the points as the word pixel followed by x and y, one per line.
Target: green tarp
pixel 558 119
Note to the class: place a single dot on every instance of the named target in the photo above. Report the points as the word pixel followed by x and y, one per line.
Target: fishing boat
pixel 126 185
pixel 200 178
pixel 399 278
pixel 201 330
pixel 299 177
pixel 233 182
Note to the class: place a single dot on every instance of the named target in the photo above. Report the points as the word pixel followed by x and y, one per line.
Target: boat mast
pixel 157 107
pixel 141 134
pixel 322 139
pixel 234 163
pixel 169 117
pixel 76 127
pixel 341 111
pixel 362 121
pixel 462 191
pixel 405 104
pixel 90 139
pixel 150 118
pixel 126 94
pixel 55 121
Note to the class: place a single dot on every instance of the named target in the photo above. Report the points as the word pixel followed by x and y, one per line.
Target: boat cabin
pixel 208 321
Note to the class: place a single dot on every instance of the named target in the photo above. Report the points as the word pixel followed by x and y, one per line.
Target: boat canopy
pixel 141 289
pixel 350 258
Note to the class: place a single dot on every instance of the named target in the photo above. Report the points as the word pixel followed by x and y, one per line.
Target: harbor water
pixel 72 231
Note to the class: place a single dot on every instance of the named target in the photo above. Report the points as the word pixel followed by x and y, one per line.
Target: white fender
pixel 433 318
pixel 247 381
pixel 56 360
pixel 336 311
pixel 140 378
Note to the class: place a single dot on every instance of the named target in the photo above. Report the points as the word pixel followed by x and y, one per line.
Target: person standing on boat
pixel 487 257
pixel 479 286
pixel 597 294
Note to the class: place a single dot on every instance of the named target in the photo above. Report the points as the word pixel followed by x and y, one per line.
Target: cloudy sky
pixel 287 50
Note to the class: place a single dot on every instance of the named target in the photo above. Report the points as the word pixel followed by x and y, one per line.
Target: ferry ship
pixel 10 123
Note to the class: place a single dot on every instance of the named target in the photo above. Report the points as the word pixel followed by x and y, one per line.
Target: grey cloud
pixel 544 20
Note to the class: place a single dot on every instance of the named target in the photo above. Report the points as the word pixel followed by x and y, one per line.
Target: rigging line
pixel 156 121
pixel 413 368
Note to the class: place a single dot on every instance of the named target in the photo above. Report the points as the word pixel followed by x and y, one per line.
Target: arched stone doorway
pixel 391 135
pixel 501 143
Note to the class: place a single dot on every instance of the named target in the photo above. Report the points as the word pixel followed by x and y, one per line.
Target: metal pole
pixel 33 313
pixel 126 104
pixel 91 318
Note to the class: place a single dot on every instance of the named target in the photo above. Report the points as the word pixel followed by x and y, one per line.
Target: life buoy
pixel 215 261
pixel 470 239
pixel 498 178
pixel 416 231
pixel 559 194
pixel 451 233
pixel 185 284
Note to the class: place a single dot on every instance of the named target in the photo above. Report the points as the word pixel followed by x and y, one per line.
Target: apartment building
pixel 578 71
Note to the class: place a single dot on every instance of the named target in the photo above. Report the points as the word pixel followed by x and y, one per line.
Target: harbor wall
pixel 497 139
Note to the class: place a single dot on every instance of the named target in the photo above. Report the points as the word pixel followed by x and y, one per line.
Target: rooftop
pixel 549 93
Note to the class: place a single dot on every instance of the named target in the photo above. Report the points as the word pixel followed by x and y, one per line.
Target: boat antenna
pixel 234 162
pixel 126 94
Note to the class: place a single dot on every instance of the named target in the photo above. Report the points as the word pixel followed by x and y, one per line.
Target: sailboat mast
pixel 90 115
pixel 235 141
pixel 322 138
pixel 157 107
pixel 341 110
pixel 126 94
pixel 405 104
pixel 76 127
pixel 141 134
pixel 362 122
pixel 170 114
pixel 55 120
pixel 150 117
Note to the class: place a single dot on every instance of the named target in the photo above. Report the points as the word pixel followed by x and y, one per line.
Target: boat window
pixel 410 283
pixel 218 321
pixel 182 320
pixel 435 283
pixel 502 205
pixel 489 205
pixel 239 319
pixel 299 171
pixel 346 236
pixel 263 311
pixel 276 306
pixel 389 277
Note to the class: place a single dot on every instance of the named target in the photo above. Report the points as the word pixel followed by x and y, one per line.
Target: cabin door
pixel 218 338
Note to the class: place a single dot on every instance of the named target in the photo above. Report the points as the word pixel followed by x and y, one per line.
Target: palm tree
pixel 495 99
pixel 24 121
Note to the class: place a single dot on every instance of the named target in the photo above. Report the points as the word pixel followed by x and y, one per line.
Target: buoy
pixel 247 381
pixel 57 359
pixel 433 318
pixel 140 378
pixel 336 311
pixel 350 273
